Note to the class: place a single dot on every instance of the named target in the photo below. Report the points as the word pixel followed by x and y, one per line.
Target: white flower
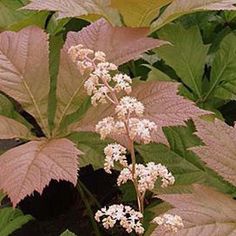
pixel 90 84
pixel 100 96
pixel 125 215
pixel 100 56
pixel 146 176
pixel 74 51
pixel 170 222
pixel 105 127
pixel 103 69
pixel 114 152
pixel 123 82
pixel 127 106
pixel 141 129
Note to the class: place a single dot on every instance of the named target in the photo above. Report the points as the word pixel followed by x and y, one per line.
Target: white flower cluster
pixel 147 176
pixel 114 152
pixel 170 222
pixel 85 58
pixel 98 84
pixel 125 215
pixel 127 106
pixel 139 129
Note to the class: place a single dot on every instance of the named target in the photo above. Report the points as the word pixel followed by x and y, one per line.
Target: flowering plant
pixel 104 86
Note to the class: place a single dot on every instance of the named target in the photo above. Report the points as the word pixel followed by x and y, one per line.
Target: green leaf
pixel 12 219
pixel 92 147
pixel 184 165
pixel 67 233
pixel 223 78
pixel 187 57
pixel 13 19
pixel 139 13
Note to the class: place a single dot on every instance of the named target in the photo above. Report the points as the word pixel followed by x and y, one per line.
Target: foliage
pixel 189 73
pixel 11 220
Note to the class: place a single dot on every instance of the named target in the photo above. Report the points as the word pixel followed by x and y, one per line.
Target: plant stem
pixel 89 210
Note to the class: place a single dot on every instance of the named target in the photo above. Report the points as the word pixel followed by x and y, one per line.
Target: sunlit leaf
pixel 31 166
pixel 67 233
pixel 138 13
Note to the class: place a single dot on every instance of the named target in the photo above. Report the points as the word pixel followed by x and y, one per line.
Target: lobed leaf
pixel 204 212
pixel 162 105
pixel 24 72
pixel 77 8
pixel 219 150
pixel 120 44
pixel 31 166
pixel 181 7
pixel 187 57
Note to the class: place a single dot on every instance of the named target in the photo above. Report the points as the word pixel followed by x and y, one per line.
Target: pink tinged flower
pixel 127 217
pixel 141 130
pixel 100 96
pixel 123 82
pixel 100 56
pixel 146 176
pixel 127 106
pixel 114 152
pixel 105 127
pixel 169 222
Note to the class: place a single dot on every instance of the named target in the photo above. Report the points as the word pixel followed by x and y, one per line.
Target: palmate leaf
pixel 120 45
pixel 77 8
pixel 162 105
pixel 220 147
pixel 205 212
pixel 24 72
pixel 187 57
pixel 12 219
pixel 31 166
pixel 181 7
